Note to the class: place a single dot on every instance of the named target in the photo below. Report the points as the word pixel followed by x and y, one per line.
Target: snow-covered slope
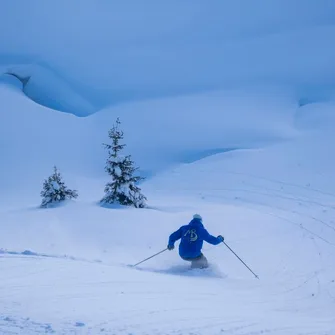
pixel 228 109
pixel 272 197
pixel 158 133
pixel 284 231
pixel 111 52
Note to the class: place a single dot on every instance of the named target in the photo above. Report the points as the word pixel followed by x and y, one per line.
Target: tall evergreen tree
pixel 123 188
pixel 55 190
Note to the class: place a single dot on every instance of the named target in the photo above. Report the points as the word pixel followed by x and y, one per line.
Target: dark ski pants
pixel 198 262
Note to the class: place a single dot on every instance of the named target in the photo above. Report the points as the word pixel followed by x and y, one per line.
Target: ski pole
pixel 144 260
pixel 241 260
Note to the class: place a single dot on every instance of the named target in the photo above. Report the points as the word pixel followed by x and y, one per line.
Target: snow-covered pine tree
pixel 123 189
pixel 55 191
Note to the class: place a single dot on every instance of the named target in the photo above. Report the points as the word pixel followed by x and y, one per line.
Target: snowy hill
pixel 228 109
pixel 271 195
pixel 106 53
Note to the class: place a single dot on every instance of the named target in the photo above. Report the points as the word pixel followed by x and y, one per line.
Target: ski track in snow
pixel 36 254
pixel 10 324
pixel 300 201
pixel 153 322
pixel 18 324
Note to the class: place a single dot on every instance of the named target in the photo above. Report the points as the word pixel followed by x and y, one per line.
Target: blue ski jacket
pixel 192 237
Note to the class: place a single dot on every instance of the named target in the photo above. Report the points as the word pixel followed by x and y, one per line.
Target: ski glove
pixel 170 247
pixel 221 238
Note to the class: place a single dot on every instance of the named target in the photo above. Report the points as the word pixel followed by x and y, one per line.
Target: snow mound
pixel 158 133
pixel 49 89
pixel 121 53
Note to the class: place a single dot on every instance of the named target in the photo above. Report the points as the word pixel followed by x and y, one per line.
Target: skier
pixel 192 237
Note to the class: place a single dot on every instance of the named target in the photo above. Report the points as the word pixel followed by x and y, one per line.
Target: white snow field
pixel 228 108
pixel 82 55
pixel 65 270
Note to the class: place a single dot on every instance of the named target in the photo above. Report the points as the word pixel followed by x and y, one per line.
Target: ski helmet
pixel 197 217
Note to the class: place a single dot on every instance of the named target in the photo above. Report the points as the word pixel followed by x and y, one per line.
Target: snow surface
pixel 66 270
pixel 227 108
pixel 83 55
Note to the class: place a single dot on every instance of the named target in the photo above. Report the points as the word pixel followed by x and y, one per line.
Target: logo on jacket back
pixel 192 235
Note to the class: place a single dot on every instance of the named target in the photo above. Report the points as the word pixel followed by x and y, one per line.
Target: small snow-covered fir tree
pixel 123 188
pixel 55 191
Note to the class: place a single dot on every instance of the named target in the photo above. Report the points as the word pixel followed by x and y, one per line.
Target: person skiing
pixel 192 237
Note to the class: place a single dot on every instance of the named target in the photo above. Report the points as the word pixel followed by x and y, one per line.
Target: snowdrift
pixel 158 133
pixel 48 89
pixel 109 53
